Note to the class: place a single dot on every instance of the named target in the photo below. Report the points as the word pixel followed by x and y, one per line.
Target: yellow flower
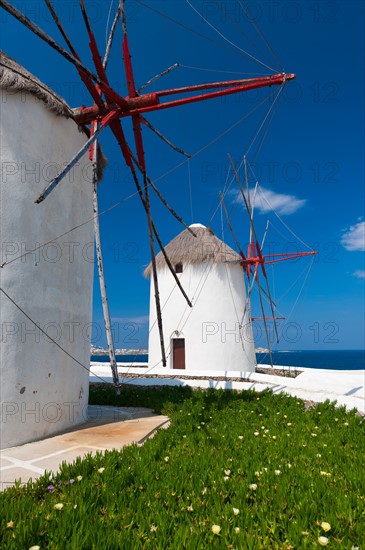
pixel 153 528
pixel 101 470
pixel 216 529
pixel 10 525
pixel 236 511
pixel 167 458
pixel 58 506
pixel 237 529
pixel 79 478
pixel 323 541
pixel 325 526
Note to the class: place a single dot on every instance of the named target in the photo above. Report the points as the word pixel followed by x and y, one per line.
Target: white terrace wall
pixel 216 335
pixel 43 391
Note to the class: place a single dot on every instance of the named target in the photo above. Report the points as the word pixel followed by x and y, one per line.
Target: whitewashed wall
pixel 213 337
pixel 43 391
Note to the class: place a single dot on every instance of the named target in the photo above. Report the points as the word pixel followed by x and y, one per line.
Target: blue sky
pixel 310 164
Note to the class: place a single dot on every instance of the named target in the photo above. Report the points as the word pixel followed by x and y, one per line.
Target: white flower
pixel 274 436
pixel 289 465
pixel 240 437
pixel 289 424
pixel 204 490
pixel 314 435
pixel 323 541
pixel 34 548
pixel 189 508
pixel 253 486
pixel 58 506
pixel 346 423
pixel 277 472
pixel 216 529
pixel 227 472
pixel 318 455
pixel 325 526
pixel 226 478
pixel 235 511
pixel 75 506
pixel 167 458
pixel 236 529
pixel 153 528
pixel 256 433
pixel 78 478
pixel 326 474
pixel 101 470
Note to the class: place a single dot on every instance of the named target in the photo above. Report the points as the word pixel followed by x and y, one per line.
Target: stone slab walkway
pixel 107 428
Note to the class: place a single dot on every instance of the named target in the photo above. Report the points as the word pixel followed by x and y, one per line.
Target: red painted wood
pixel 178 353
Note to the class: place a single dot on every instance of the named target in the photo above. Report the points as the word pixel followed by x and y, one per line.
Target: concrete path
pixel 107 428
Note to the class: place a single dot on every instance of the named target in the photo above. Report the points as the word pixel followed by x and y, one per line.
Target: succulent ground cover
pixel 234 470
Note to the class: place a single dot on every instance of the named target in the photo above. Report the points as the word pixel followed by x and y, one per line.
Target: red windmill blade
pixel 255 259
pixel 110 108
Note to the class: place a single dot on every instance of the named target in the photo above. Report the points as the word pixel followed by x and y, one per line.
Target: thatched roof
pixel 187 249
pixel 14 78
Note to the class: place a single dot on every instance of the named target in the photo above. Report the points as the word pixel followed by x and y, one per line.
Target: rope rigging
pixel 226 13
pixel 246 54
pixel 111 109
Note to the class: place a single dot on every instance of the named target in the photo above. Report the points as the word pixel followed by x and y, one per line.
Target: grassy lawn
pixel 234 470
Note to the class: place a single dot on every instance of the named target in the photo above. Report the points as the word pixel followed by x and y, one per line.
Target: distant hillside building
pixel 216 333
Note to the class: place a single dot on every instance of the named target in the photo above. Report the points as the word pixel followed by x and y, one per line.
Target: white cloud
pixel 359 273
pixel 354 238
pixel 266 200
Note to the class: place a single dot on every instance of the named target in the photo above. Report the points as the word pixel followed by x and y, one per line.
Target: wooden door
pixel 178 347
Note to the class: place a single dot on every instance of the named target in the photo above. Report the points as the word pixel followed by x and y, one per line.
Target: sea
pixel 315 359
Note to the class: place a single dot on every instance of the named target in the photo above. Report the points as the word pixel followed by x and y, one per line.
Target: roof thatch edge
pixel 189 250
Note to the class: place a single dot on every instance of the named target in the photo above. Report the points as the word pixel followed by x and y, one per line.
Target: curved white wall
pixel 216 336
pixel 43 391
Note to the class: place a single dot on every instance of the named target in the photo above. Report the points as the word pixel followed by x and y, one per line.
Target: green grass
pixel 259 466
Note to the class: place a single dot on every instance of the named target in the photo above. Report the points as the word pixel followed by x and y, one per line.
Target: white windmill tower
pixel 46 291
pixel 213 334
pixel 37 136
